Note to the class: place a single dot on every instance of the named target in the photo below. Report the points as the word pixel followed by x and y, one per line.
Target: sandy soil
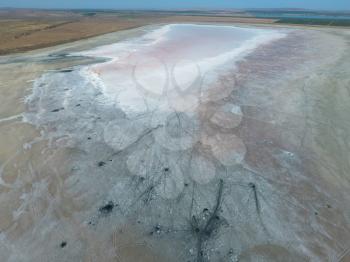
pixel 57 178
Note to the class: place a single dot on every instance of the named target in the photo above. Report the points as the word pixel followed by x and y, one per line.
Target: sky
pixel 179 4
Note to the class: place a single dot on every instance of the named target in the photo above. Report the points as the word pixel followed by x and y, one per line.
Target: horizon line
pixel 179 9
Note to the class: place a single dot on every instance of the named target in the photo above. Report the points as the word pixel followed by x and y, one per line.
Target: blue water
pixel 301 15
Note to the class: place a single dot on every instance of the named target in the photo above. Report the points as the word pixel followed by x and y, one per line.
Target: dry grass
pixel 22 30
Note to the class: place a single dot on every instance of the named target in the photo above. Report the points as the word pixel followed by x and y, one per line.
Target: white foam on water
pixel 147 72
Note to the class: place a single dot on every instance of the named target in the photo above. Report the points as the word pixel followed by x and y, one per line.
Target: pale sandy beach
pixel 181 142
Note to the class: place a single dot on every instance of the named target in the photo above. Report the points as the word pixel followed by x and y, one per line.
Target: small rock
pixel 107 208
pixel 101 163
pixel 57 110
pixel 158 229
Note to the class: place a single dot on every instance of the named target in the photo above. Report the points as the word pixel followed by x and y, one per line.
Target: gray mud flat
pixel 260 172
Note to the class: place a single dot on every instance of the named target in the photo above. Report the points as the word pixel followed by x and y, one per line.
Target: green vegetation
pixel 307 21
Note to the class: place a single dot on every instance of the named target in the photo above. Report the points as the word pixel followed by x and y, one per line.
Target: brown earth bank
pixel 23 30
pixel 29 29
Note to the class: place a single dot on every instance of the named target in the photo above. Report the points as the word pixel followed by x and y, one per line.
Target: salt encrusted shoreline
pixel 82 186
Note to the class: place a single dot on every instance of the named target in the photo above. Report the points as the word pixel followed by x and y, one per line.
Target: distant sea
pixel 305 17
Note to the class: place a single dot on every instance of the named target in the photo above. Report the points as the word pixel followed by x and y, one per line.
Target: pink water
pixel 142 73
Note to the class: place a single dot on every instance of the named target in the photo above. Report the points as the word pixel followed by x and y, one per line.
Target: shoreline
pixel 174 19
pixel 159 38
